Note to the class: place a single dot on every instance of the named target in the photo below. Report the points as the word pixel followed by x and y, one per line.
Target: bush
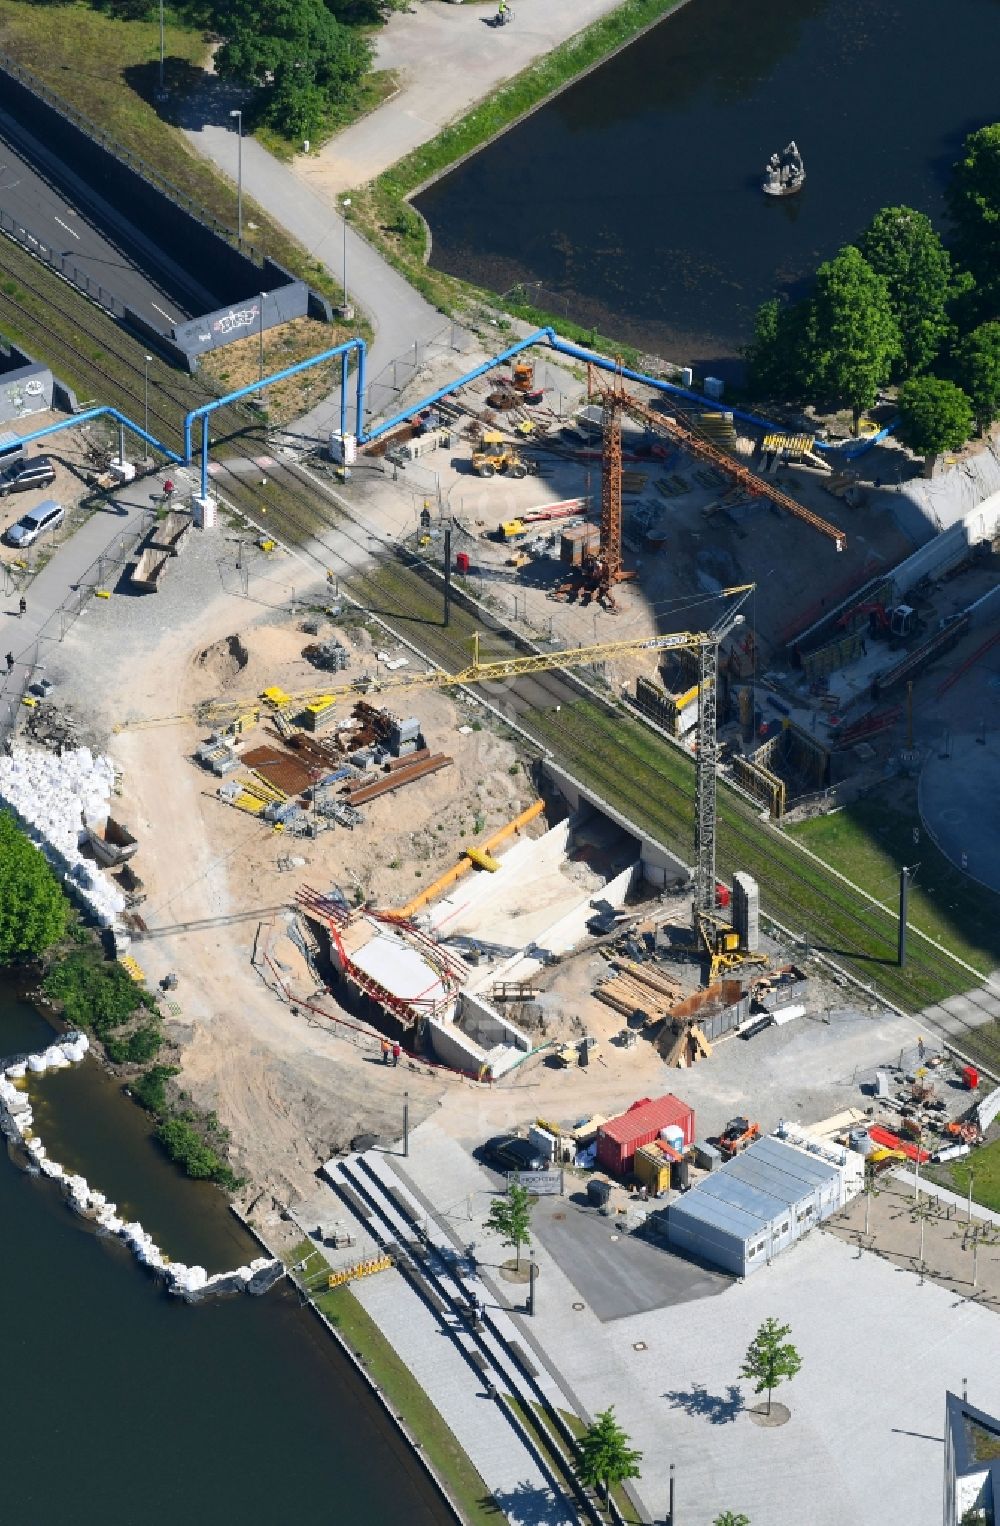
pixel 94 994
pixel 150 1090
pixel 32 906
pixel 142 1045
pixel 186 1148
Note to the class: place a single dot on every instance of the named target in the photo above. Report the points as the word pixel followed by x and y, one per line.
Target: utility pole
pixel 161 92
pixel 406 1124
pixel 346 203
pixel 904 898
pixel 263 299
pixel 532 1272
pixel 145 394
pixel 238 116
pixel 447 575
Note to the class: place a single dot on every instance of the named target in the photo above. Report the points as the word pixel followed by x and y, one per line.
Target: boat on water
pixel 785 174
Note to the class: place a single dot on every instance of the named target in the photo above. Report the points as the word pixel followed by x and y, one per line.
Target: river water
pixel 631 202
pixel 123 1405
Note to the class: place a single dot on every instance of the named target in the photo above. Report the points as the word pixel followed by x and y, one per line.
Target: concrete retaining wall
pixel 660 867
pixel 950 547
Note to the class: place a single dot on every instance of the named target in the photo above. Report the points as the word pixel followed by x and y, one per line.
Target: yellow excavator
pixel 496 455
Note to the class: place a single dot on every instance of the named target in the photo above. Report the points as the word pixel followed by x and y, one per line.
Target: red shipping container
pixel 618 1140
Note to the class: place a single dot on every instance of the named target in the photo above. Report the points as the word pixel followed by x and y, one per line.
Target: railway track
pixel 643 776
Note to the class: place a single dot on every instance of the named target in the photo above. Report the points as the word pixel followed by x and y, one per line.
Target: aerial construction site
pixel 484 772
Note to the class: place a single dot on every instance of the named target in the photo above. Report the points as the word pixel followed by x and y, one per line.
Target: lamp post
pixel 263 298
pixel 145 394
pixel 162 91
pixel 239 175
pixel 346 206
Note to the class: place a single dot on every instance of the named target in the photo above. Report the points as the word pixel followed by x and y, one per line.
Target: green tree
pixel 731 1518
pixel 606 1457
pixel 306 63
pixel 857 336
pixel 32 906
pixel 978 366
pixel 934 415
pixel 974 203
pixel 770 1360
pixel 781 355
pixel 510 1216
pixel 901 246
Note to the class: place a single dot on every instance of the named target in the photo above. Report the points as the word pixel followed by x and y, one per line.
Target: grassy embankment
pixel 381 207
pixel 109 69
pixel 400 1387
pixel 872 839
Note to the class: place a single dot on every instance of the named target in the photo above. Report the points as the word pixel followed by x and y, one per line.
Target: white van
pixel 36 522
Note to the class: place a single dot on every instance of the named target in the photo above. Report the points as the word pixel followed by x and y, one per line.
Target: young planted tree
pixel 510 1216
pixel 770 1359
pixel 607 1458
pixel 934 415
pixel 901 246
pixel 857 336
pixel 32 905
pixel 731 1518
pixel 978 359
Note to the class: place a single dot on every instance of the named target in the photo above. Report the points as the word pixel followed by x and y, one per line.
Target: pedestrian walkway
pixel 50 595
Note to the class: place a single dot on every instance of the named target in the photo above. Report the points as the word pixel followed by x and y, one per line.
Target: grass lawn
pixel 871 840
pixel 397 1382
pixel 984 1166
pixel 108 70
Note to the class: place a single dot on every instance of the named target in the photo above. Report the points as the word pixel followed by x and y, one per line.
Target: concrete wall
pixel 481 1022
pixel 947 549
pixel 452 1048
pixel 659 865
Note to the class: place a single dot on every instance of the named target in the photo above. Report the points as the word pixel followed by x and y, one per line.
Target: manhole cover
pixel 579 1306
pixel 639 1346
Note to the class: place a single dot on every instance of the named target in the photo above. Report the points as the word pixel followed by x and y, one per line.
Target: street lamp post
pixel 263 299
pixel 162 91
pixel 145 394
pixel 239 175
pixel 347 306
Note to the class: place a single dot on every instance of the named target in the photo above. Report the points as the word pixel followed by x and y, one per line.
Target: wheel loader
pixel 496 455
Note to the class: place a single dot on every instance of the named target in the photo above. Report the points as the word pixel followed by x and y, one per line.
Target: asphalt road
pixel 73 228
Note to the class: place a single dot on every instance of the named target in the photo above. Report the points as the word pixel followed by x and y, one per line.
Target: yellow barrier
pixel 465 863
pixel 360 1269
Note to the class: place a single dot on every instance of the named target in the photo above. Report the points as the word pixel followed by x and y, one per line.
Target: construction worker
pixel 502 13
pixel 10 662
pixel 22 607
pixel 386 1051
pixel 168 488
pixel 397 1050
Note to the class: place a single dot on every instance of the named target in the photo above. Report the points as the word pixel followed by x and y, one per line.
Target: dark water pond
pixel 632 201
pixel 125 1405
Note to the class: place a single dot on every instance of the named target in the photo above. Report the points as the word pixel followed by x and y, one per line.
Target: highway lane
pixel 28 195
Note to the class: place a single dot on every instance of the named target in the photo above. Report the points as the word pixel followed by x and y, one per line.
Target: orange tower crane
pixel 607 569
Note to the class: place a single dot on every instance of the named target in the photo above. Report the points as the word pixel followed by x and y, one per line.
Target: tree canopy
pixel 934 415
pixel 978 367
pixel 780 355
pixel 901 246
pixel 607 1457
pixel 305 61
pixel 770 1359
pixel 32 905
pixel 510 1217
pixel 857 336
pixel 974 203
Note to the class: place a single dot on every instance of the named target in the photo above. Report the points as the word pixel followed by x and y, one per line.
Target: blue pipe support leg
pixel 98 413
pixel 343 395
pixel 359 408
pixel 204 456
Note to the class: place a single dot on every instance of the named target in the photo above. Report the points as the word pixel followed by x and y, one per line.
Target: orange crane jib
pixel 616 400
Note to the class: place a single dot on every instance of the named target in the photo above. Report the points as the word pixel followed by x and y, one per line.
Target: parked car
pixel 509 1153
pixel 36 522
pixel 38 472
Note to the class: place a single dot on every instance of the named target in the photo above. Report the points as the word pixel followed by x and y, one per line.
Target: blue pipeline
pixel 207 409
pixel 564 347
pixel 105 413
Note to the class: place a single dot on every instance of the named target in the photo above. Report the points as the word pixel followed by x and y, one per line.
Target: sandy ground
pixel 290 1085
pixel 446 58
